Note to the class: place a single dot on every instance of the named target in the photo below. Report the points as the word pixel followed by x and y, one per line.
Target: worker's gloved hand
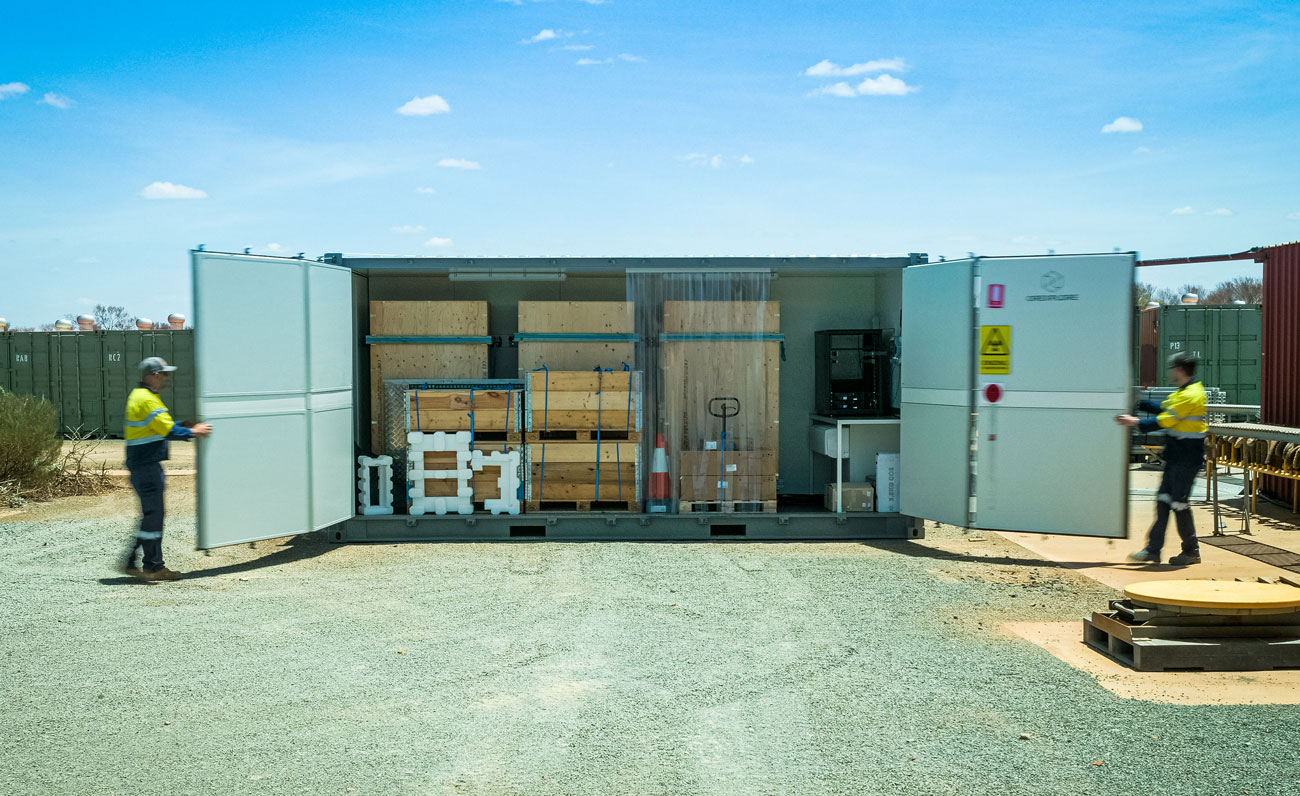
pixel 201 429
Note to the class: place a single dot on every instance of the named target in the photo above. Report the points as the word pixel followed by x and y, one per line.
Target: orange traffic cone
pixel 660 489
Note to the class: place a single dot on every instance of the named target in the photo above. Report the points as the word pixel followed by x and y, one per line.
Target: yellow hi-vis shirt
pixel 1182 414
pixel 148 426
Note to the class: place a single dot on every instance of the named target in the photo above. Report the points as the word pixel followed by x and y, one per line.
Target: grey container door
pixel 1053 335
pixel 1049 456
pixel 273 361
pixel 934 436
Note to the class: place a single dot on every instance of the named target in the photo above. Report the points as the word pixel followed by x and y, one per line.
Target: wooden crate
pixel 749 476
pixel 490 414
pixel 574 405
pixel 575 318
pixel 484 482
pixel 696 370
pixel 568 472
pixel 423 360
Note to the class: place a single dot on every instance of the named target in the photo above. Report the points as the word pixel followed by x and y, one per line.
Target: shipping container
pixel 88 375
pixel 284 376
pixel 1280 389
pixel 1224 337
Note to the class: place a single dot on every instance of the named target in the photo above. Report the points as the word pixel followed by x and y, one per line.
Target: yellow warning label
pixel 995 350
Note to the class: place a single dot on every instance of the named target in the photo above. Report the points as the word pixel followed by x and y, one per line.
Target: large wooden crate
pixel 583 405
pixel 704 355
pixel 405 360
pixel 561 327
pixel 583 476
pixel 490 414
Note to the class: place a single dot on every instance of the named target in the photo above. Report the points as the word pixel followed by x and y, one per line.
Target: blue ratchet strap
pixel 546 409
pixel 417 410
pixel 599 400
pixel 627 428
pixel 509 398
pixel 471 418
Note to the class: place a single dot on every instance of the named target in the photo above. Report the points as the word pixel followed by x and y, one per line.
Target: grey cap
pixel 152 365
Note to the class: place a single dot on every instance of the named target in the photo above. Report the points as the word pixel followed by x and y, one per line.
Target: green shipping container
pixel 87 375
pixel 1225 337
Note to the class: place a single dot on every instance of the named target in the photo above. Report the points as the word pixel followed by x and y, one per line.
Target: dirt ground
pixel 300 666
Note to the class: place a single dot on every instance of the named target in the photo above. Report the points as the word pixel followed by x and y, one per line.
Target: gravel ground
pixel 546 668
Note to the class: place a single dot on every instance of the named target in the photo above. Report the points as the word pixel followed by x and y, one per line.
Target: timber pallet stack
pixel 490 415
pixel 1201 625
pixel 583 432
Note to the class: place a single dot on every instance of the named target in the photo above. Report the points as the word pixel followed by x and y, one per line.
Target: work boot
pixel 1185 559
pixel 162 574
pixel 1144 556
pixel 133 571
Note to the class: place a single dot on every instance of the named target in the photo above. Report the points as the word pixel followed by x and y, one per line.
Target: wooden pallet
pixel 586 435
pixel 727 506
pixel 1187 647
pixel 575 318
pixel 423 360
pixel 534 506
pixel 584 402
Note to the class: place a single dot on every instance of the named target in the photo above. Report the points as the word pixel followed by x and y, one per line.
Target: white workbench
pixel 843 448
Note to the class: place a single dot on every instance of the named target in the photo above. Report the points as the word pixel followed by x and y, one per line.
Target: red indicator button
pixel 997 295
pixel 993 393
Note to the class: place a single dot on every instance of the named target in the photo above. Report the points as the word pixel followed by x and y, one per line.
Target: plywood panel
pixel 424 360
pixel 575 317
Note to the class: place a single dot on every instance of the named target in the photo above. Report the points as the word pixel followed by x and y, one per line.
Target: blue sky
pixel 935 127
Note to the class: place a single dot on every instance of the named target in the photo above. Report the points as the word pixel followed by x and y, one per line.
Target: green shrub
pixel 29 441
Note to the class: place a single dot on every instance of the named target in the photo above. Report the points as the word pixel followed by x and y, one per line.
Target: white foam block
pixel 368 503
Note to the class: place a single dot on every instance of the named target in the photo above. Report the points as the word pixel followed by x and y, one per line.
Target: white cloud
pixel 826 68
pixel 594 61
pixel 632 59
pixel 1219 211
pixel 13 89
pixel 580 48
pixel 168 190
pixel 1294 216
pixel 712 161
pixel 436 241
pixel 746 159
pixel 409 228
pixel 459 163
pixel 1182 211
pixel 885 85
pixel 546 34
pixel 425 189
pixel 57 100
pixel 273 248
pixel 1123 124
pixel 840 89
pixel 1142 150
pixel 425 106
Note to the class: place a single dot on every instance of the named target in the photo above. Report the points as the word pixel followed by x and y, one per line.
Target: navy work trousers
pixel 147 481
pixel 1175 496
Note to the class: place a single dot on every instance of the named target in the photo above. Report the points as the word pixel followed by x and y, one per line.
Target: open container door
pixel 935 410
pixel 1013 371
pixel 1055 338
pixel 273 353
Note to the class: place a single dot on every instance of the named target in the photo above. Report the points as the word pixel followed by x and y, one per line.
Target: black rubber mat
pixel 1259 551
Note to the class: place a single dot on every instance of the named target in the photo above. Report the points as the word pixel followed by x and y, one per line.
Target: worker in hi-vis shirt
pixel 1182 417
pixel 148 428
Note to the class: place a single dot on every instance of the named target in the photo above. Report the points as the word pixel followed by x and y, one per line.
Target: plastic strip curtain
pixel 720 358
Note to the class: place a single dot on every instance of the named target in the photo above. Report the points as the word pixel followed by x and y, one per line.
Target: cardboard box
pixel 887 482
pixel 854 497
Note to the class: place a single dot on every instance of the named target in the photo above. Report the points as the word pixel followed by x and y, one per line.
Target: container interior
pixel 812 293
